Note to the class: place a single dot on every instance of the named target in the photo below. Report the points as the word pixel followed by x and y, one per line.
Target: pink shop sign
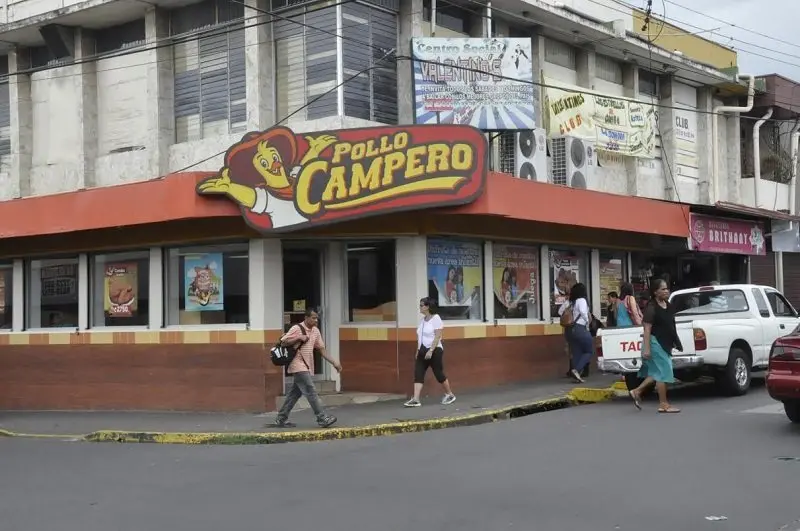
pixel 719 235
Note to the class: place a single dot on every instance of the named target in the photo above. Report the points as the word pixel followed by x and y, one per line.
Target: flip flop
pixel 635 400
pixel 669 410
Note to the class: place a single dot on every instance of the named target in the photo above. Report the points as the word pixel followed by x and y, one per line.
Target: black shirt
pixel 663 325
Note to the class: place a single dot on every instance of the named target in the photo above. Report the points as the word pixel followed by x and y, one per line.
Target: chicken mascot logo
pixel 283 181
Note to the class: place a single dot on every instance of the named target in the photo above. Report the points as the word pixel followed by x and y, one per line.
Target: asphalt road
pixel 593 468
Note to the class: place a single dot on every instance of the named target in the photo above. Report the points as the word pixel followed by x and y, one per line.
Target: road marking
pixel 771 409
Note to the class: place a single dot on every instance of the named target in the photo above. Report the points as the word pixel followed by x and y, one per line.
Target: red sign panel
pixel 722 235
pixel 284 181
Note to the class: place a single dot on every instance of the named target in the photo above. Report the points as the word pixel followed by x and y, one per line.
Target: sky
pixel 775 20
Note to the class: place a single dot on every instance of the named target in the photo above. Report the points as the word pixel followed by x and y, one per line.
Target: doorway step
pixel 329 396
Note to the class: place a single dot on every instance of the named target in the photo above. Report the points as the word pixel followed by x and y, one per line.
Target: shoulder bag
pixel 282 355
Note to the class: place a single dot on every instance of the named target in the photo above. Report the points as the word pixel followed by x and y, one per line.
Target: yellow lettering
pixel 372 151
pixel 461 157
pixel 394 161
pixel 303 186
pixel 369 180
pixel 340 150
pixel 385 146
pixel 358 151
pixel 336 185
pixel 415 167
pixel 400 140
pixel 437 158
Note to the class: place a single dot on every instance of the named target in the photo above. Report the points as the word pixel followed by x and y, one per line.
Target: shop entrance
pixel 302 289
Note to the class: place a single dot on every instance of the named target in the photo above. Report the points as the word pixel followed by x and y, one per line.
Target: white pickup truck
pixel 726 331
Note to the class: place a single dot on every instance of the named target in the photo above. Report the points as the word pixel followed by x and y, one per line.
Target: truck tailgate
pixel 621 348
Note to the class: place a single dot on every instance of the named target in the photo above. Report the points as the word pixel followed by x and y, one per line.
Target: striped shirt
pixel 304 360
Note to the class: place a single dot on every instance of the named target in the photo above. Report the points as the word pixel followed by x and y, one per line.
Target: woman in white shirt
pixel 581 344
pixel 430 353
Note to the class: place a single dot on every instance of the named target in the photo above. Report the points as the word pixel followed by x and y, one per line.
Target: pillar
pixel 335 271
pixel 19 304
pixel 156 290
pixel 594 282
pixel 265 283
pixel 86 79
pixel 412 278
pixel 83 292
pixel 258 60
pixel 586 67
pixel 19 95
pixel 409 27
pixel 537 60
pixel 488 282
pixel 705 144
pixel 666 123
pixel 546 282
pixel 160 92
pixel 630 82
pixel 732 152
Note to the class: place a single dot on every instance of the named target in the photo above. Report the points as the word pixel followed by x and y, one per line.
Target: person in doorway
pixel 430 353
pixel 305 337
pixel 660 337
pixel 611 309
pixel 628 312
pixel 581 344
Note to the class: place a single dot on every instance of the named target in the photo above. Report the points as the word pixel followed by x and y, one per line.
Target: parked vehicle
pixel 726 332
pixel 783 376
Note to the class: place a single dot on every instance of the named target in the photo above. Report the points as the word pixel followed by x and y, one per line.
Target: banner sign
pixel 486 83
pixel 285 181
pixel 721 235
pixel 617 125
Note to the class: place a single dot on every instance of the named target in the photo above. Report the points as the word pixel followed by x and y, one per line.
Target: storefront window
pixel 567 268
pixel 612 275
pixel 53 293
pixel 208 285
pixel 6 292
pixel 120 289
pixel 515 275
pixel 455 274
pixel 371 282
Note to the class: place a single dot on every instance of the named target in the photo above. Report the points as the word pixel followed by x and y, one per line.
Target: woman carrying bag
pixel 628 312
pixel 576 319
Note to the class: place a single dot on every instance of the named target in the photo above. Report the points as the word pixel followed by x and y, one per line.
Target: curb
pixel 578 396
pixel 4 433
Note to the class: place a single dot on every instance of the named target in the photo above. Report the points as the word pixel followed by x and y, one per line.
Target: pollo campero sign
pixel 284 181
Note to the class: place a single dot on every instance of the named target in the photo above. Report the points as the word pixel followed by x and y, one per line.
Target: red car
pixel 783 378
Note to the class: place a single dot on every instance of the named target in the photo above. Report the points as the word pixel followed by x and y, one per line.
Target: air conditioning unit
pixel 573 162
pixel 530 155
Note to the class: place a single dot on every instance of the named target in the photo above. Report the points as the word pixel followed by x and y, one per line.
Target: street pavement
pixel 593 468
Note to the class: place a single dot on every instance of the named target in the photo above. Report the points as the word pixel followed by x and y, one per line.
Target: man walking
pixel 306 338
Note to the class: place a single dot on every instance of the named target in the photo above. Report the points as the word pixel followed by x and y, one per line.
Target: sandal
pixel 669 409
pixel 635 399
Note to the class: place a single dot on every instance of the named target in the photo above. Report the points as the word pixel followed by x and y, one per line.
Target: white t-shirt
pixel 426 331
pixel 580 311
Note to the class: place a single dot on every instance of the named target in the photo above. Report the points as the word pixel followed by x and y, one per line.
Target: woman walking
pixel 430 353
pixel 581 344
pixel 660 337
pixel 628 313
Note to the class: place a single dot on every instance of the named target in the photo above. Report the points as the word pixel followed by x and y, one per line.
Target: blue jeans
pixel 581 346
pixel 303 386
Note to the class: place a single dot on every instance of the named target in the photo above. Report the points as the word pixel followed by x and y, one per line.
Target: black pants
pixel 436 363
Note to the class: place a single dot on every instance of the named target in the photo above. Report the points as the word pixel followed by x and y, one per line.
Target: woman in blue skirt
pixel 660 337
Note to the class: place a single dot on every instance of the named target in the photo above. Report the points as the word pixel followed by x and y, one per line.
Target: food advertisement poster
pixel 204 289
pixel 2 294
pixel 610 278
pixel 455 268
pixel 566 273
pixel 120 290
pixel 515 272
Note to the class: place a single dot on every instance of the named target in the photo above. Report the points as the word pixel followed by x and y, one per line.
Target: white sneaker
pixel 448 399
pixel 412 403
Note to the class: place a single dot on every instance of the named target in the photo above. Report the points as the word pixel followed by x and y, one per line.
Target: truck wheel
pixel 792 408
pixel 736 376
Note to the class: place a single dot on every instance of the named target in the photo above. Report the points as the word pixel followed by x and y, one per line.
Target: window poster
pixel 455 268
pixel 515 273
pixel 566 273
pixel 120 287
pixel 611 273
pixel 204 287
pixel 2 293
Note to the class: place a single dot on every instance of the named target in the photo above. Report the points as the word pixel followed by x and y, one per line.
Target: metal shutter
pixel 762 269
pixel 791 278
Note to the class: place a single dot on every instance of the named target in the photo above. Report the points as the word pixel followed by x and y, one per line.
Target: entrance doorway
pixel 302 289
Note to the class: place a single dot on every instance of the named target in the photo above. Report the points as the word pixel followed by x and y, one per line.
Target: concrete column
pixel 83 291
pixel 19 304
pixel 666 122
pixel 160 93
pixel 412 278
pixel 155 320
pixel 630 82
pixel 488 282
pixel 705 144
pixel 586 67
pixel 19 95
pixel 258 59
pixel 86 79
pixel 333 312
pixel 409 26
pixel 594 283
pixel 266 284
pixel 546 282
pixel 537 60
pixel 732 152
pixel 479 24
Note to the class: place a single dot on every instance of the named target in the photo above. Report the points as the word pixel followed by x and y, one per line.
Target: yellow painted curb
pixel 620 386
pixel 591 396
pixel 4 433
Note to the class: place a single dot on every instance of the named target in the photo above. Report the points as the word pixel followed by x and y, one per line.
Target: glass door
pixel 302 290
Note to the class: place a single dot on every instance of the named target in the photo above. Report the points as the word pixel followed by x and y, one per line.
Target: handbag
pixel 282 355
pixel 594 325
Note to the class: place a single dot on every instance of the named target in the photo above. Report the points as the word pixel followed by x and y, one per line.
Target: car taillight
pixel 784 353
pixel 700 341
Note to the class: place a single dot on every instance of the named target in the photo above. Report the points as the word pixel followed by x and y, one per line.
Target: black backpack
pixel 282 355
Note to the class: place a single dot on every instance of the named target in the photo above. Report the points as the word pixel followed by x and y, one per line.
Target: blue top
pixel 623 315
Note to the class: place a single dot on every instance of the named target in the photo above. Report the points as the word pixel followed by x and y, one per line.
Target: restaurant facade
pixel 168 294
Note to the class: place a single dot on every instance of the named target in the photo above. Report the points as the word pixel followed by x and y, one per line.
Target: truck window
pixel 780 306
pixel 710 302
pixel 761 302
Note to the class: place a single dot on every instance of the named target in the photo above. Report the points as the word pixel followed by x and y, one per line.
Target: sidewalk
pixel 123 423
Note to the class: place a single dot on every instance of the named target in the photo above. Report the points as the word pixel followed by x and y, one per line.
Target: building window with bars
pixel 648 83
pixel 608 69
pixel 561 54
pixel 209 60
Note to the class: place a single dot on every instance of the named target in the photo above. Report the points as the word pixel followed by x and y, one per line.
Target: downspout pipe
pixel 794 148
pixel 716 111
pixel 757 155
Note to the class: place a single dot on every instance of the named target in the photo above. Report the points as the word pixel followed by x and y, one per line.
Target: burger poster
pixel 120 290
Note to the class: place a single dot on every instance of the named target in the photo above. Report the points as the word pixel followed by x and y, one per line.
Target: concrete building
pixel 116 110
